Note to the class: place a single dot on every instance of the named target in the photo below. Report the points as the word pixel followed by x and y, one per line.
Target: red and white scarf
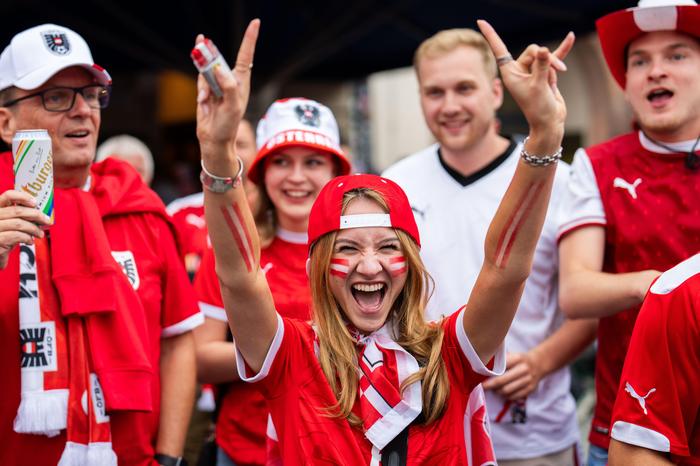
pixel 383 366
pixel 82 328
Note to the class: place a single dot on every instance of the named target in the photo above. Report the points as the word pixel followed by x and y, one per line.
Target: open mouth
pixel 369 296
pixel 659 96
pixel 297 193
pixel 77 134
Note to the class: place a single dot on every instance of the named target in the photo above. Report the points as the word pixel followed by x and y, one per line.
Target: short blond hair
pixel 450 39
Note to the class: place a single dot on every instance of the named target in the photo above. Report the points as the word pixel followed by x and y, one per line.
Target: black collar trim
pixel 467 180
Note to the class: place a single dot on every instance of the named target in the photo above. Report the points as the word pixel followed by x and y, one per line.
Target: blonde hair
pixel 337 349
pixel 450 39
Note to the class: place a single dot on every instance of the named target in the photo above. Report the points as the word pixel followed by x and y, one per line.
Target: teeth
pixel 297 193
pixel 367 288
pixel 78 134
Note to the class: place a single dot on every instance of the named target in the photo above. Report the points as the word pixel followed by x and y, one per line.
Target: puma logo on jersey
pixel 267 268
pixel 641 399
pixel 630 187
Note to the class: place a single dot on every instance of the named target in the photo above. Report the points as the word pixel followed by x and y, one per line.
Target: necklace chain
pixel 692 160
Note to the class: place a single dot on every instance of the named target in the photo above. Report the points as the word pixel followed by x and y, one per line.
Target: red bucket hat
pixel 618 29
pixel 326 215
pixel 297 122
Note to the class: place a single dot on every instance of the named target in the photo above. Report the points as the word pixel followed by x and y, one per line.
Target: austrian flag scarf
pixel 383 366
pixel 81 330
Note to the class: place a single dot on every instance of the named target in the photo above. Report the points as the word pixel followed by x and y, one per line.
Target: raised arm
pixel 515 229
pixel 246 295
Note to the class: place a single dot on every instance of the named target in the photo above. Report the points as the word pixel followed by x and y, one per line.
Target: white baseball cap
pixel 38 53
pixel 297 122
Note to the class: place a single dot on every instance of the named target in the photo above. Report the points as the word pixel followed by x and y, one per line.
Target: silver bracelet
pixel 539 160
pixel 221 184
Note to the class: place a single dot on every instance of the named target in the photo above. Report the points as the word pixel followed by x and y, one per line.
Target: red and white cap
pixel 326 214
pixel 38 53
pixel 618 29
pixel 297 122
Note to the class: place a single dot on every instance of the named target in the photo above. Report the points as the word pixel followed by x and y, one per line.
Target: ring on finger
pixel 243 65
pixel 503 59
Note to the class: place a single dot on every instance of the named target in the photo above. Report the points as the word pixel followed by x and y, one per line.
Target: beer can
pixel 206 58
pixel 33 165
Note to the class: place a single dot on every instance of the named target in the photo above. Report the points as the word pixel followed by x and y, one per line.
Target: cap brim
pixel 255 171
pixel 618 29
pixel 39 76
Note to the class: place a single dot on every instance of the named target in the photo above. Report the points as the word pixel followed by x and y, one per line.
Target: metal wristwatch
pixel 220 184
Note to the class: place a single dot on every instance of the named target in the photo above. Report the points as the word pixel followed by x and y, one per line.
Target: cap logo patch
pixel 308 115
pixel 56 42
pixel 656 19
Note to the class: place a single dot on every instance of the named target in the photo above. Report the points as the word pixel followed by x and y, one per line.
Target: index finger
pixel 246 52
pixel 498 48
pixel 565 47
pixel 11 197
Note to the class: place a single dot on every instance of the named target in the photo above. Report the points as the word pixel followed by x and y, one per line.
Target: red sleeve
pixel 658 399
pixel 180 312
pixel 462 361
pixel 206 286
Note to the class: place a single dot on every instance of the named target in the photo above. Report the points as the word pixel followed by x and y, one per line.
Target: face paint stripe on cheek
pixel 340 267
pixel 397 266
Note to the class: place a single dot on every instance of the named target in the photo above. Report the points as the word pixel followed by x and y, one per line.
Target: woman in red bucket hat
pixel 368 381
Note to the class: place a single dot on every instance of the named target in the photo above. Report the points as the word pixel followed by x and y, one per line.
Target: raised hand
pixel 532 78
pixel 218 118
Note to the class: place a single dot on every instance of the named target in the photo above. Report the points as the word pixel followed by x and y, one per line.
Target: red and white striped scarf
pixel 59 388
pixel 383 366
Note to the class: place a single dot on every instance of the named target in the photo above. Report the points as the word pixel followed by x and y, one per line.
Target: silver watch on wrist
pixel 220 184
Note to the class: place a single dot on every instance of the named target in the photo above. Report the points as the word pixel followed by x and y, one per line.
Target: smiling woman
pixel 369 381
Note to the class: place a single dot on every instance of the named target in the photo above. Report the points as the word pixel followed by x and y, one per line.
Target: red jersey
pixel 145 247
pixel 297 393
pixel 241 425
pixel 658 402
pixel 188 217
pixel 652 221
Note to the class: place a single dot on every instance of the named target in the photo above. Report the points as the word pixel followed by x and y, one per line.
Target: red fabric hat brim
pixel 618 29
pixel 256 169
pixel 327 210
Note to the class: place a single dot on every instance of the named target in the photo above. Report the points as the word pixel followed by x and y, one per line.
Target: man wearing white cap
pixel 631 208
pixel 454 188
pixel 96 310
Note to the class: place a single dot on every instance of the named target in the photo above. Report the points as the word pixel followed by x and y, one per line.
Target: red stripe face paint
pixel 397 266
pixel 515 223
pixel 340 267
pixel 234 220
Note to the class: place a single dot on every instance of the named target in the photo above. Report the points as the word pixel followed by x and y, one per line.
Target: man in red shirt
pixel 136 345
pixel 631 210
pixel 657 413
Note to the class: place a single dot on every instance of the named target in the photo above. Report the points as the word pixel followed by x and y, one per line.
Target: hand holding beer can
pixel 207 58
pixel 33 166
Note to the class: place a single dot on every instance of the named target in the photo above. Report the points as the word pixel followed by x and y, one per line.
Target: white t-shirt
pixel 453 220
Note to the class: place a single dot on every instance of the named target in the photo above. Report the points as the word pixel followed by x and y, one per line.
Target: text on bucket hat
pixel 326 213
pixel 36 54
pixel 297 122
pixel 618 29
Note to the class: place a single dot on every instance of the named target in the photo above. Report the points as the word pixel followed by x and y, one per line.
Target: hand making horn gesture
pixel 218 118
pixel 532 79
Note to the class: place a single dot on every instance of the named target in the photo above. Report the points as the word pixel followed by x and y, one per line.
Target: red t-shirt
pixel 658 402
pixel 296 390
pixel 241 425
pixel 188 217
pixel 145 247
pixel 656 225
